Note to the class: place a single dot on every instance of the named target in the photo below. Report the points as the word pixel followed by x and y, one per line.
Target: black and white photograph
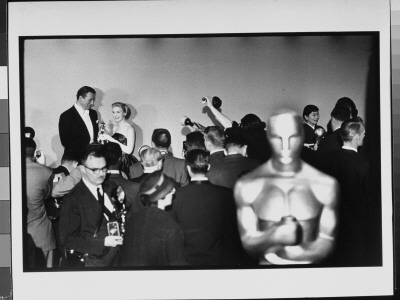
pixel 159 144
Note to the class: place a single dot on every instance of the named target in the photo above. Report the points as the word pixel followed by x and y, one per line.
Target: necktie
pixel 100 197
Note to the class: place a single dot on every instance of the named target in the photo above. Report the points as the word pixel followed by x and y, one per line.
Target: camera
pixel 216 101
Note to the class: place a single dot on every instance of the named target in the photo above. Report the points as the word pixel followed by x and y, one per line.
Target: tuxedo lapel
pixel 80 123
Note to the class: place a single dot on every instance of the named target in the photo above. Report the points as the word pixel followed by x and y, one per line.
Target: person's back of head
pixel 195 140
pixel 346 102
pixel 161 138
pixel 215 136
pixel 235 142
pixel 340 114
pixel 151 157
pixel 113 154
pixel 350 128
pixel 30 147
pixel 198 161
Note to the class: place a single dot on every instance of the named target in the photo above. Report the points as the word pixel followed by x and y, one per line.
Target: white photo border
pixel 199 17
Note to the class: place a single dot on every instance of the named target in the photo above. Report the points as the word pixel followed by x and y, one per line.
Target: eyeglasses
pixel 97 171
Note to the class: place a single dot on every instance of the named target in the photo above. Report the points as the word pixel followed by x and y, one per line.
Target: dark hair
pixel 215 135
pixel 30 147
pixel 161 138
pixel 250 120
pixel 308 109
pixel 346 102
pixel 125 108
pixel 235 136
pixel 93 149
pixel 30 131
pixel 198 160
pixel 83 91
pixel 340 113
pixel 351 127
pixel 195 140
pixel 69 156
pixel 112 153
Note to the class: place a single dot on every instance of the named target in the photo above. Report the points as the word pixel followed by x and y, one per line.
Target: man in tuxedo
pixel 286 208
pixel 78 126
pixel 207 215
pixel 173 167
pixel 214 140
pixel 235 164
pixel 351 170
pixel 87 209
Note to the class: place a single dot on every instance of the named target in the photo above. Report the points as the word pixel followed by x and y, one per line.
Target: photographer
pixel 254 128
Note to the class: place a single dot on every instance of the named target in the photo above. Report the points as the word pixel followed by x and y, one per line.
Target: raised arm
pixel 67 183
pixel 224 120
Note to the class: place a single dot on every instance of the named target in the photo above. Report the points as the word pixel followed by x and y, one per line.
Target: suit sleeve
pixel 65 129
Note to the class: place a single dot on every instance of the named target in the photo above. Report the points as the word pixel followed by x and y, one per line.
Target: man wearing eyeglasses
pixel 84 218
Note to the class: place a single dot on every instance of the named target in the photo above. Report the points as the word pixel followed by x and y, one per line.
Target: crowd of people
pixel 245 194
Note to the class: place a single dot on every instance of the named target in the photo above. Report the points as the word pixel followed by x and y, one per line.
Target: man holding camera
pixel 87 212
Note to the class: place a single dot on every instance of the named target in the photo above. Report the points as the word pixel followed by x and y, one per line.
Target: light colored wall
pixel 164 79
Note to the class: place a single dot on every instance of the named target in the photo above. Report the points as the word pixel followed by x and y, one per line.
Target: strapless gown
pixel 127 160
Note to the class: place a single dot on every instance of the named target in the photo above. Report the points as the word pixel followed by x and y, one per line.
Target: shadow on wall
pixel 58 150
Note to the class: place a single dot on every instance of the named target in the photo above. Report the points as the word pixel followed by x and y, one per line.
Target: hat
pixel 155 186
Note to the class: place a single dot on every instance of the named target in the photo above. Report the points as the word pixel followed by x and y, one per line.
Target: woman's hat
pixel 155 186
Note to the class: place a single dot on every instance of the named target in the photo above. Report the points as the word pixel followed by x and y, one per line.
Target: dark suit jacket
pixel 131 189
pixel 79 218
pixel 352 172
pixel 74 135
pixel 176 169
pixel 152 238
pixel 216 158
pixel 326 150
pixel 230 169
pixel 207 215
pixel 332 142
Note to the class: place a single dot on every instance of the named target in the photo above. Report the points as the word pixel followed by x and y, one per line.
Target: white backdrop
pixel 164 79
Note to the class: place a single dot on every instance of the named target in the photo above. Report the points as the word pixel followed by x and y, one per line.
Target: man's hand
pixel 113 241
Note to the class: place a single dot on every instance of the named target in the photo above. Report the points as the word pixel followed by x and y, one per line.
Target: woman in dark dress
pixel 123 134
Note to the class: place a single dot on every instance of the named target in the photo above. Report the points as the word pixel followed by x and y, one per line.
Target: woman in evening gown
pixel 123 134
